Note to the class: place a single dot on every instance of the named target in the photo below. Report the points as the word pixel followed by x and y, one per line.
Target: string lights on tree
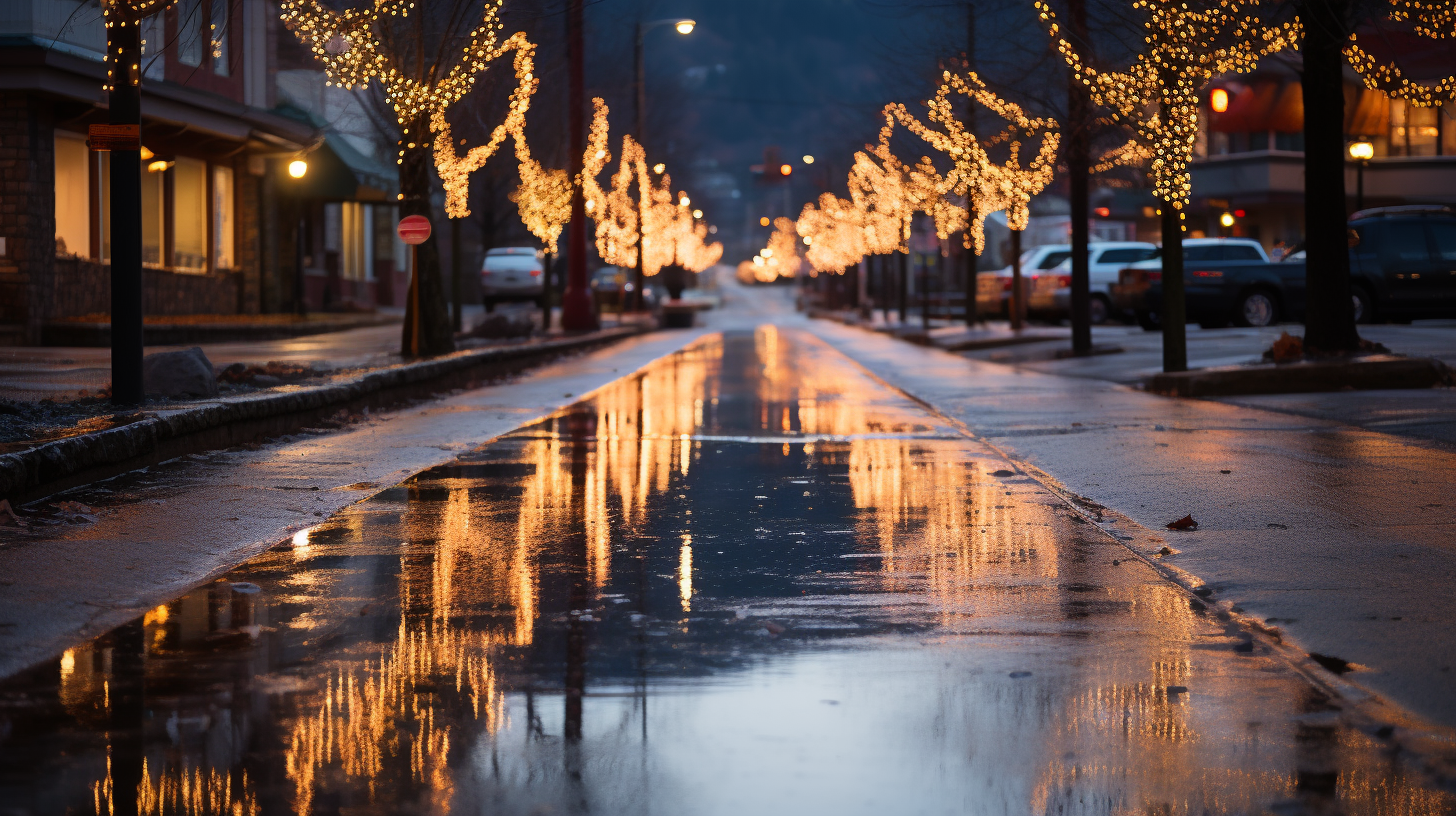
pixel 989 186
pixel 1185 46
pixel 455 169
pixel 123 14
pixel 1426 18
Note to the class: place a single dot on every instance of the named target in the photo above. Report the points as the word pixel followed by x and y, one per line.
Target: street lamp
pixel 1362 152
pixel 683 27
pixel 297 169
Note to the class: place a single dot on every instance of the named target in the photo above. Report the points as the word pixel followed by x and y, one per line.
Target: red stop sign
pixel 414 229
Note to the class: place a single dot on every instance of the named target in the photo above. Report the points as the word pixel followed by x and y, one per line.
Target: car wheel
pixel 1257 309
pixel 1098 309
pixel 1364 305
pixel 1149 321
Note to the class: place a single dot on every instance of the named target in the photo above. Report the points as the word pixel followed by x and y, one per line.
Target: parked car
pixel 511 275
pixel 1402 266
pixel 1051 293
pixel 611 284
pixel 993 289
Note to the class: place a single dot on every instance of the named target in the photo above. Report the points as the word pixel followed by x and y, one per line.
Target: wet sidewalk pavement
pixel 749 579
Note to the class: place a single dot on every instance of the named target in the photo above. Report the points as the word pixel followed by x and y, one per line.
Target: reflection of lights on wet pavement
pixel 685 573
pixel 758 544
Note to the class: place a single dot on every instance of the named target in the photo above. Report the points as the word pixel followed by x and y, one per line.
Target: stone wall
pixel 83 289
pixel 27 210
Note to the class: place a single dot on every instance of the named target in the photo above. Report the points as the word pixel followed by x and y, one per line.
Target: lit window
pixel 222 218
pixel 152 217
pixel 73 196
pixel 189 215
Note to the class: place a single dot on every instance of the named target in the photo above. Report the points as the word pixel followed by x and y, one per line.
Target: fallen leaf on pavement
pixel 1185 523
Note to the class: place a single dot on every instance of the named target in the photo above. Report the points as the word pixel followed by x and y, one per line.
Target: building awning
pixel 337 170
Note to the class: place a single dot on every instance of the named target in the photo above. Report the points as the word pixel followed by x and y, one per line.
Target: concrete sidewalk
pixel 29 373
pixel 1342 538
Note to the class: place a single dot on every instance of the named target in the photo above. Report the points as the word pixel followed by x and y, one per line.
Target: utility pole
pixel 969 254
pixel 576 306
pixel 124 48
pixel 1079 121
pixel 639 277
pixel 1174 317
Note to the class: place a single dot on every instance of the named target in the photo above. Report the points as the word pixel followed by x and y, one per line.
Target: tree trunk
pixel 1329 312
pixel 414 186
pixel 1079 120
pixel 1174 316
pixel 457 275
pixel 1016 305
pixel 904 284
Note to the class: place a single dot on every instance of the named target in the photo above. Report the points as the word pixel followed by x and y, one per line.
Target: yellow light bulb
pixel 298 168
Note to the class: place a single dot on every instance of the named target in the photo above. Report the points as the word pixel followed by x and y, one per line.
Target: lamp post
pixel 640 98
pixel 297 169
pixel 1362 152
pixel 576 306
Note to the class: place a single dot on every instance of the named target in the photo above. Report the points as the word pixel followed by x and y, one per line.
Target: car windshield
pixel 1054 258
pixel 1241 252
pixel 1124 255
pixel 511 262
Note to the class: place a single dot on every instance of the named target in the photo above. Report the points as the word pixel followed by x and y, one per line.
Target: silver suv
pixel 512 275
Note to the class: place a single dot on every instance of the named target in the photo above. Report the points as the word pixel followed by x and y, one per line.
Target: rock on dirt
pixel 174 374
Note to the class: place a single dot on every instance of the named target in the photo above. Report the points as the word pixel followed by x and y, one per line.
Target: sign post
pixel 414 230
pixel 122 137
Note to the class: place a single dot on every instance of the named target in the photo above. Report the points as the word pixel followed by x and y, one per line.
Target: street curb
pixel 98 335
pixel 1368 373
pixel 65 463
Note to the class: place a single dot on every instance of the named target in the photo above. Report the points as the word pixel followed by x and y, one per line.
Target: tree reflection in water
pixel 830 601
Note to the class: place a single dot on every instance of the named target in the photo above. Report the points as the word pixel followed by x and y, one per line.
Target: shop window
pixel 1447 121
pixel 189 216
pixel 1413 130
pixel 73 196
pixel 222 218
pixel 218 33
pixel 189 32
pixel 355 253
pixel 1290 142
pixel 153 215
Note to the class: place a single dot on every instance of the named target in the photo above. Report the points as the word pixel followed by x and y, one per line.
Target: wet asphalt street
pixel 748 580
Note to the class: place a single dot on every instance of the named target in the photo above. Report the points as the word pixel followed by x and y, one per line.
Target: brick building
pixel 220 213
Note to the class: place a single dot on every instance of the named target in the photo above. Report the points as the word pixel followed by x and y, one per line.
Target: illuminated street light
pixel 697 213
pixel 763 222
pixel 785 169
pixel 808 160
pixel 1218 100
pixel 298 168
pixel 685 26
pixel 1227 219
pixel 1362 151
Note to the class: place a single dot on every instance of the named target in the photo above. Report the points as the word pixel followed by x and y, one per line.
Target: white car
pixel 1051 292
pixel 993 289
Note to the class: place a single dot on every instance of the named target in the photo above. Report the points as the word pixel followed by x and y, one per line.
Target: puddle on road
pixel 749 580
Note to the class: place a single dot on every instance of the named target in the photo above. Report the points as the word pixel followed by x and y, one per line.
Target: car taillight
pixel 1006 284
pixel 1063 281
pixel 535 272
pixel 485 272
pixel 1208 273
